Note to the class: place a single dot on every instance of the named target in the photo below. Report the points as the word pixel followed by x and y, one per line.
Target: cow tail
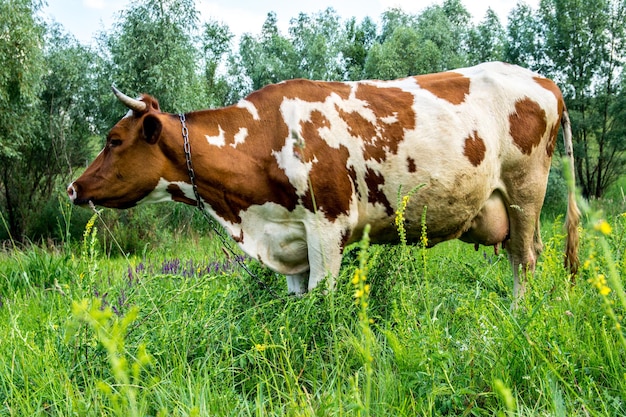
pixel 573 213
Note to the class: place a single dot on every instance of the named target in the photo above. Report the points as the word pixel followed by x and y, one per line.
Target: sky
pixel 85 18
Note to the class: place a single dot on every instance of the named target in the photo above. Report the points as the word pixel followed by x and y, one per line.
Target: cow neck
pixel 208 192
pixel 200 204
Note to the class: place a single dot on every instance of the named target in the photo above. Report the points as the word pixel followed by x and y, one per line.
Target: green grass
pixel 180 330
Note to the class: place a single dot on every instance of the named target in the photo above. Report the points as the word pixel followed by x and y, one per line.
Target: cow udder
pixel 490 227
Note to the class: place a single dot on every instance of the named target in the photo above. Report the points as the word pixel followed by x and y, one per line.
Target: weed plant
pixel 182 330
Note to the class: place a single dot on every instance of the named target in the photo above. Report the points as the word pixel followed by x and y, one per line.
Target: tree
pixel 359 39
pixel 403 54
pixel 153 50
pixel 21 70
pixel 268 58
pixel 486 41
pixel 69 107
pixel 318 40
pixel 216 43
pixel 433 41
pixel 393 19
pixel 447 27
pixel 524 39
pixel 584 41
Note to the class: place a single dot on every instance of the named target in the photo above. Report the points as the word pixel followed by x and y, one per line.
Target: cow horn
pixel 131 103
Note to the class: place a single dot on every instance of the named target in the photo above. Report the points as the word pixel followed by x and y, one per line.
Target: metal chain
pixel 192 173
pixel 200 204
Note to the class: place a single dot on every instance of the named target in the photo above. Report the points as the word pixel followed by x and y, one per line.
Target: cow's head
pixel 131 163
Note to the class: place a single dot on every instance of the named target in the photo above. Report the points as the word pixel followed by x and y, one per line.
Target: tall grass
pixel 183 331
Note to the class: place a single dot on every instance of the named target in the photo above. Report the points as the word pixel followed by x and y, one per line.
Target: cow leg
pixel 324 249
pixel 324 264
pixel 538 244
pixel 522 248
pixel 297 283
pixel 525 264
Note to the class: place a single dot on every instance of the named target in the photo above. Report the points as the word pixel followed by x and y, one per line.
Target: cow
pixel 295 171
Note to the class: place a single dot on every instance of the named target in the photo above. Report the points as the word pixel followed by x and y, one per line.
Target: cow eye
pixel 115 143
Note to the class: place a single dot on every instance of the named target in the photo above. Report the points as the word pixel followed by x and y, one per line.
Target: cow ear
pixel 151 129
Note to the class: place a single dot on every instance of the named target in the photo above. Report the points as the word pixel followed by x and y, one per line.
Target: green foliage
pixel 21 70
pixel 152 50
pixel 487 41
pixel 524 38
pixel 584 48
pixel 318 40
pixel 268 58
pixel 408 331
pixel 216 45
pixel 359 39
pixel 20 74
pixel 111 332
pixel 402 54
pixel 56 103
pixel 555 201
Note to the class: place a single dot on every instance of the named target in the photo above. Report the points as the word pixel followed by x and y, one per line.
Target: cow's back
pixel 362 145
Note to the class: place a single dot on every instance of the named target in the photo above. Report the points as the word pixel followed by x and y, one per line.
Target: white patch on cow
pixel 292 242
pixel 405 84
pixel 240 137
pixel 296 170
pixel 390 119
pixel 160 193
pixel 245 104
pixel 219 140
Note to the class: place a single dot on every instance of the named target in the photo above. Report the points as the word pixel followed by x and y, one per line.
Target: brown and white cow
pixel 295 171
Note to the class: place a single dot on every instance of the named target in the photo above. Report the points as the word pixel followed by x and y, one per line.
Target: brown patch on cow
pixel 552 142
pixel 375 194
pixel 353 178
pixel 549 85
pixel 474 149
pixel 238 239
pixel 330 178
pixel 450 86
pixel 360 127
pixel 305 90
pixel 393 113
pixel 345 238
pixel 411 164
pixel 178 195
pixel 527 125
pixel 554 89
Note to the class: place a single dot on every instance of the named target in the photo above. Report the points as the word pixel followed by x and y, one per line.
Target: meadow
pixel 178 328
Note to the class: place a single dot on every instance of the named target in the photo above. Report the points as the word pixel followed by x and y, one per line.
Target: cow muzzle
pixel 72 193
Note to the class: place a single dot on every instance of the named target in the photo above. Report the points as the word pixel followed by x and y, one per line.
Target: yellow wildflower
pixel 601 284
pixel 603 227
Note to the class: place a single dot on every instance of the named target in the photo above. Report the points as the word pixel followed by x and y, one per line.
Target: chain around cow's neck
pixel 192 173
